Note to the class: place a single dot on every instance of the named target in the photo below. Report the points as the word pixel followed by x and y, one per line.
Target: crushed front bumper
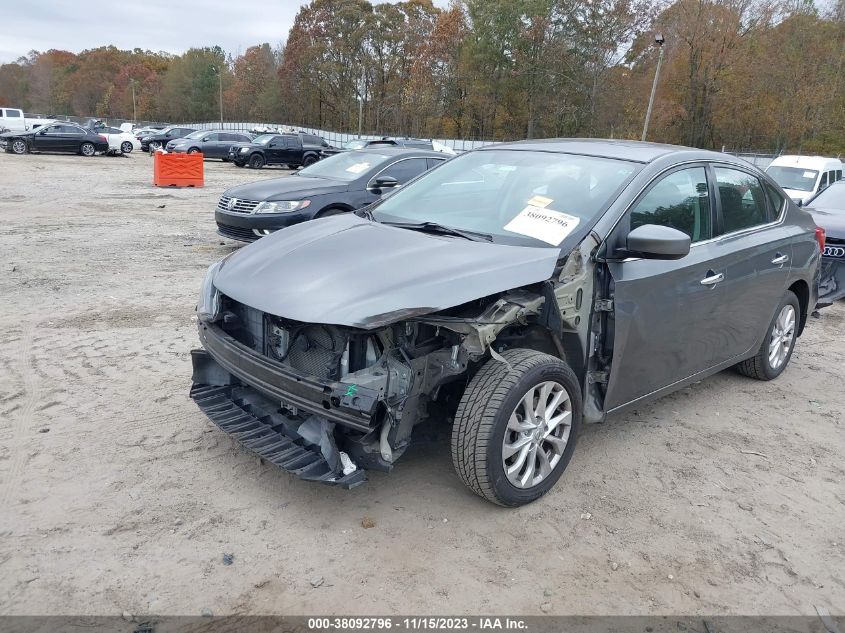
pixel 831 281
pixel 252 421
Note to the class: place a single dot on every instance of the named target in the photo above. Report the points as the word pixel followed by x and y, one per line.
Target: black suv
pixel 293 150
pixel 162 137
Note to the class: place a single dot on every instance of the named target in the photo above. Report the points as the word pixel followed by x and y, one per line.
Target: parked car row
pixel 515 291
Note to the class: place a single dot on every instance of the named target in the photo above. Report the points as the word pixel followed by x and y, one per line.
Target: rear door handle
pixel 712 280
pixel 780 260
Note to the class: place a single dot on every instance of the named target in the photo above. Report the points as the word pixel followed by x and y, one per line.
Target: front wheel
pixel 87 149
pixel 126 147
pixel 155 146
pixel 309 160
pixel 256 162
pixel 194 150
pixel 776 350
pixel 18 146
pixel 516 426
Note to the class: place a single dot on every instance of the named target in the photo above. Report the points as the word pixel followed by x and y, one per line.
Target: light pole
pixel 219 72
pixel 659 41
pixel 134 112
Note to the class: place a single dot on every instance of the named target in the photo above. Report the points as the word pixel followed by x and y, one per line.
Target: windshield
pixel 347 166
pixel 197 134
pixel 832 198
pixel 356 144
pixel 519 197
pixel 794 177
pixel 264 139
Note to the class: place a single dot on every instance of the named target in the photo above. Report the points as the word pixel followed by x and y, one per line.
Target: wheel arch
pixel 801 290
pixel 333 206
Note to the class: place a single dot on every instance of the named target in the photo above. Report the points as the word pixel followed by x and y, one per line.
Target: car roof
pixel 636 151
pixel 810 162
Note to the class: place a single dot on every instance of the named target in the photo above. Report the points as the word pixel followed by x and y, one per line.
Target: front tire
pixel 194 150
pixel 87 149
pixel 309 160
pixel 774 354
pixel 126 147
pixel 154 147
pixel 18 146
pixel 256 161
pixel 516 426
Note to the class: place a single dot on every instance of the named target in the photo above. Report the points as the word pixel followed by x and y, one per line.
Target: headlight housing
pixel 244 150
pixel 208 306
pixel 282 206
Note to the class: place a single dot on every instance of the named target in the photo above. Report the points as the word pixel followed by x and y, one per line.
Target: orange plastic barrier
pixel 178 170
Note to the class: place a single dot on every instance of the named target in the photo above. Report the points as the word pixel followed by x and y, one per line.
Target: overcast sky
pixel 158 25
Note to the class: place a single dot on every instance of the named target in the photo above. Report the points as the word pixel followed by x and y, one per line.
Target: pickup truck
pixel 293 150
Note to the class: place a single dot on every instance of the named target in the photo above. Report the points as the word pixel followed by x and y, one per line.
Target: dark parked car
pixel 56 137
pixel 293 150
pixel 516 290
pixel 338 184
pixel 212 143
pixel 828 210
pixel 163 137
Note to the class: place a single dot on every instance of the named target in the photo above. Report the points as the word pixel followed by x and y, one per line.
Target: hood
pixel 831 220
pixel 286 187
pixel 796 195
pixel 345 270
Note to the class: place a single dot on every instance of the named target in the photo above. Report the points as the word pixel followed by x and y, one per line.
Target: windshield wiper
pixel 440 229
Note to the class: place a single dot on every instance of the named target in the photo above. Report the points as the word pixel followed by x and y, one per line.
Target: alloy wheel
pixel 18 147
pixel 87 149
pixel 783 333
pixel 537 433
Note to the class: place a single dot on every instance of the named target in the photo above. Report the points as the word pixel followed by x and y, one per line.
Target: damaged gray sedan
pixel 516 291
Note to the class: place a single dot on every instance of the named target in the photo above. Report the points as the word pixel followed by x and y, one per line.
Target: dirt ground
pixel 117 495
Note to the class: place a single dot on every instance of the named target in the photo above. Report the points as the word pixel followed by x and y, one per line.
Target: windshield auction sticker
pixel 542 224
pixel 357 168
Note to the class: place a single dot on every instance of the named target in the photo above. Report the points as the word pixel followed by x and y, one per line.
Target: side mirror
pixel 651 241
pixel 800 202
pixel 384 182
pixel 272 145
pixel 206 139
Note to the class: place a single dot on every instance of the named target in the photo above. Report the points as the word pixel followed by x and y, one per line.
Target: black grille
pixel 835 240
pixel 236 232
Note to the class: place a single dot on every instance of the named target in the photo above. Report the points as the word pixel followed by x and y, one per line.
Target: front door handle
pixel 780 260
pixel 712 280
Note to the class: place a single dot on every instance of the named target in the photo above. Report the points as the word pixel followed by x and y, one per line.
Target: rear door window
pixel 742 200
pixel 776 201
pixel 680 201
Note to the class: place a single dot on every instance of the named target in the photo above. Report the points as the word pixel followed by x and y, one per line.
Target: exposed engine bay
pixel 395 376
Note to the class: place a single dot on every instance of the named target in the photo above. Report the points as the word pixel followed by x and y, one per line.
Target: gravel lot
pixel 117 495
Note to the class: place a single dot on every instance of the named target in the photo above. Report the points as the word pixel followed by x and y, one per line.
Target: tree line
pixel 746 74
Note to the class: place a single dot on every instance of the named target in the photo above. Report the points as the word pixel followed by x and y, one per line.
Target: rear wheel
pixel 126 147
pixel 776 350
pixel 18 146
pixel 516 426
pixel 87 149
pixel 256 161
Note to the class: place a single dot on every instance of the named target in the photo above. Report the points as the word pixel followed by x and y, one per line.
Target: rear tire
pixel 774 354
pixel 87 149
pixel 126 147
pixel 493 419
pixel 256 161
pixel 18 146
